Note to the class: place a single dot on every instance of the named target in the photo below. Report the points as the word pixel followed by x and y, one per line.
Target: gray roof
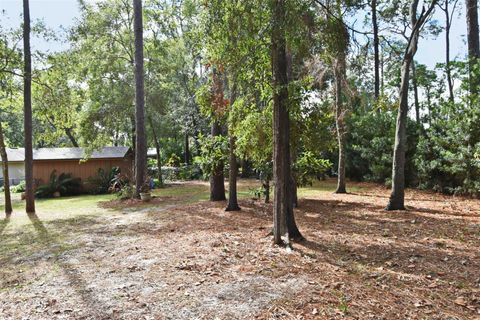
pixel 18 154
pixel 151 152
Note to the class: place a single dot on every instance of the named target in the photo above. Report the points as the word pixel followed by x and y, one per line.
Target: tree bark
pixel 187 150
pixel 415 93
pixel 217 180
pixel 27 105
pixel 283 218
pixel 6 178
pixel 141 146
pixel 376 49
pixel 232 178
pixel 397 197
pixel 68 132
pixel 266 190
pixel 448 67
pixel 233 170
pixel 133 134
pixel 339 70
pixel 473 43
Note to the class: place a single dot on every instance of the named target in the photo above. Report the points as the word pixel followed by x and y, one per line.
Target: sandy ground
pixel 180 259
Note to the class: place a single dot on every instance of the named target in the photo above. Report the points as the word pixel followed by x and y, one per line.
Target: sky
pixel 62 13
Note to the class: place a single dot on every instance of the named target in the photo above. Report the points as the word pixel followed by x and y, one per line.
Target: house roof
pixel 18 154
pixel 151 152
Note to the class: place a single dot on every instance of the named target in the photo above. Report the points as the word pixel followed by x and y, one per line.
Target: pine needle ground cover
pixel 181 257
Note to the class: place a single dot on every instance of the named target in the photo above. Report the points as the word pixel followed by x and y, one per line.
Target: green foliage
pixel 126 192
pixel 213 152
pixel 309 167
pixel 64 183
pixel 447 157
pixel 370 147
pixel 174 161
pixel 102 181
pixel 19 188
pixel 191 172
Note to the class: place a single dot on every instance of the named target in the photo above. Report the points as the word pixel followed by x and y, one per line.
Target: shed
pixel 68 160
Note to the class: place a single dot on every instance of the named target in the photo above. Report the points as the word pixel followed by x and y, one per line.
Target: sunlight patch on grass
pixel 324 186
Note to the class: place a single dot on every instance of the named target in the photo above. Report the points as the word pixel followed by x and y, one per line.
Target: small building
pixel 67 160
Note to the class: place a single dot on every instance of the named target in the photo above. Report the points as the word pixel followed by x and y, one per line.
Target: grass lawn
pixel 182 257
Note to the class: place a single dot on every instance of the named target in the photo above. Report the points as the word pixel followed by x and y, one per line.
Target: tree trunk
pixel 283 218
pixel 68 132
pixel 233 170
pixel 6 178
pixel 398 171
pixel 246 169
pixel 27 105
pixel 187 150
pixel 339 70
pixel 232 178
pixel 157 151
pixel 397 196
pixel 376 49
pixel 281 167
pixel 448 68
pixel 382 78
pixel 473 43
pixel 141 146
pixel 266 190
pixel 415 93
pixel 133 132
pixel 217 183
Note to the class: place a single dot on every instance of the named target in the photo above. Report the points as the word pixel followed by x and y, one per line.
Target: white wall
pixel 16 172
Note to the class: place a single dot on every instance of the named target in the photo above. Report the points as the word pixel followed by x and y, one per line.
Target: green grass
pixel 324 186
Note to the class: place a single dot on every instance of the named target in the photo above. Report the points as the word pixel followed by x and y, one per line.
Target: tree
pixel 283 219
pixel 448 25
pixel 27 106
pixel 141 143
pixel 6 178
pixel 233 167
pixel 217 183
pixel 57 102
pixel 376 49
pixel 340 113
pixel 473 43
pixel 397 196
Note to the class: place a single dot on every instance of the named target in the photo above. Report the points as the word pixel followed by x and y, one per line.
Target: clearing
pixel 181 257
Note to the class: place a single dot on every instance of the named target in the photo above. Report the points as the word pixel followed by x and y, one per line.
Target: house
pixel 67 160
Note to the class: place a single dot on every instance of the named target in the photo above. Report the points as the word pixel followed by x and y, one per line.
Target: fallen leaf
pixel 461 301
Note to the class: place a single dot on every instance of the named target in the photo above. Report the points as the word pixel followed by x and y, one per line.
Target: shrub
pixel 100 184
pixel 190 172
pixel 126 192
pixel 19 188
pixel 308 167
pixel 174 161
pixel 65 184
pixel 213 152
pixel 370 147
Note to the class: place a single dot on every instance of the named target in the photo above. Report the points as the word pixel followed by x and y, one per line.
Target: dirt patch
pixel 119 204
pixel 197 261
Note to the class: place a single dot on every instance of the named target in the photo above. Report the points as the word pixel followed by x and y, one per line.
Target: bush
pixel 19 188
pixel 190 172
pixel 101 183
pixel 370 147
pixel 174 161
pixel 126 192
pixel 65 184
pixel 308 167
pixel 213 152
pixel 448 155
